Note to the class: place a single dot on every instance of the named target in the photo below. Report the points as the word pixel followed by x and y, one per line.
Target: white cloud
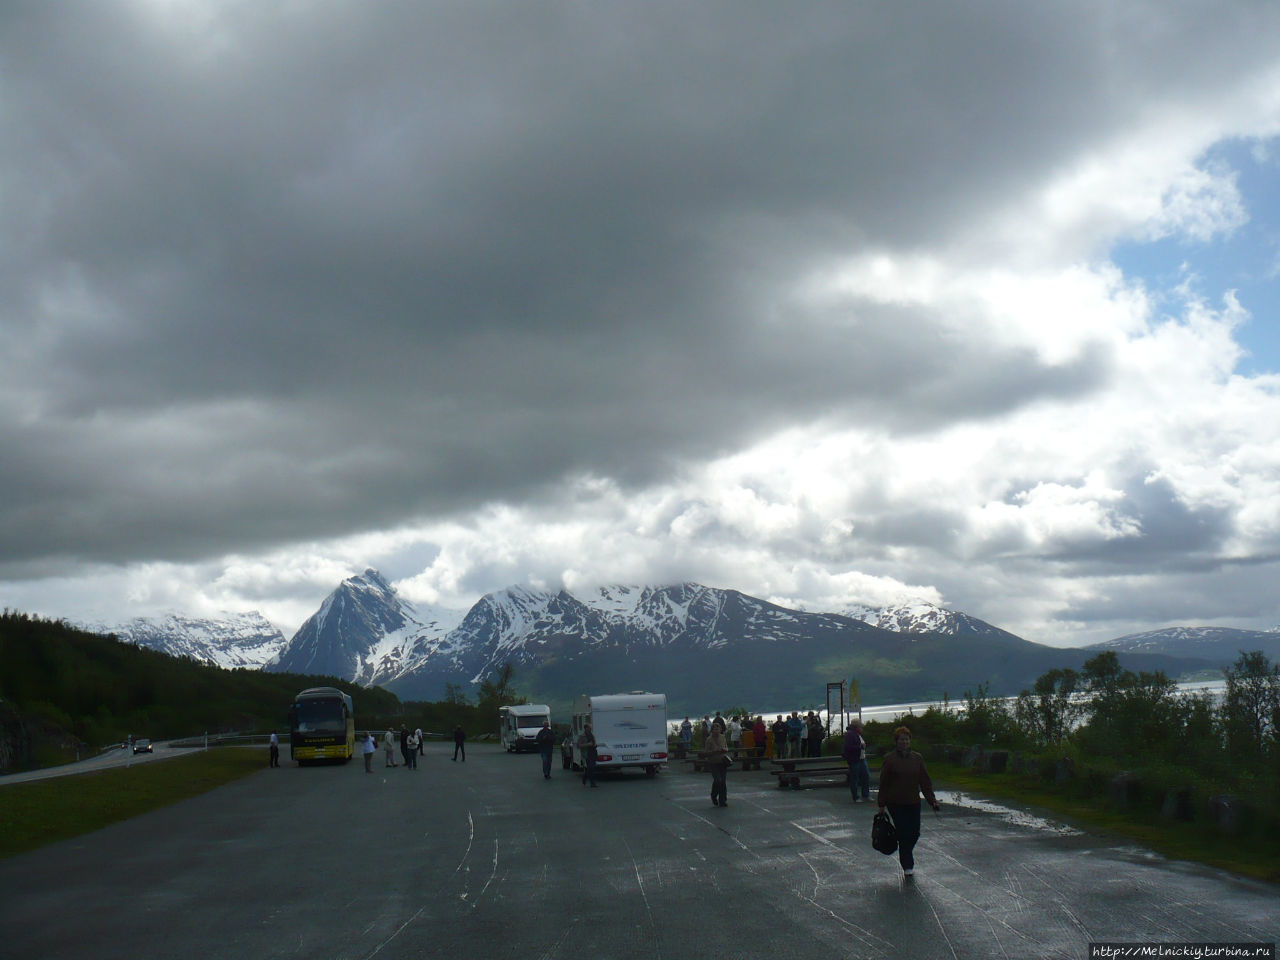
pixel 482 305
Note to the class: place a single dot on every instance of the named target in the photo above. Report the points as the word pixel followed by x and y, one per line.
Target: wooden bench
pixel 745 758
pixel 791 770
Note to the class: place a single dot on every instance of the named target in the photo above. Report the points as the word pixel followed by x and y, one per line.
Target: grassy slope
pixel 45 811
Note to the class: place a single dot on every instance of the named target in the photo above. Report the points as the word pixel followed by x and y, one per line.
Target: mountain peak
pixel 370 578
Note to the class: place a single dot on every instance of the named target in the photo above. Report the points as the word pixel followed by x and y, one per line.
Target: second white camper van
pixel 518 725
pixel 630 730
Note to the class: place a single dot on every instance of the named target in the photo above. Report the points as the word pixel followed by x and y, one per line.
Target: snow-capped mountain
pixel 689 640
pixel 362 632
pixel 638 636
pixel 920 616
pixel 1220 644
pixel 230 640
pixel 685 638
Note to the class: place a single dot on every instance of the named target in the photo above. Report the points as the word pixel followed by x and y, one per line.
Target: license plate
pixel 633 756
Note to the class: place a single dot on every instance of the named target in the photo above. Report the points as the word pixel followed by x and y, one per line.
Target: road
pixel 486 859
pixel 111 759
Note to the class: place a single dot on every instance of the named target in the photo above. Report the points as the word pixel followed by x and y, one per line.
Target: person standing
pixel 780 738
pixel 422 750
pixel 389 747
pixel 854 752
pixel 903 778
pixel 587 747
pixel 404 745
pixel 546 741
pixel 274 749
pixel 816 730
pixel 686 734
pixel 459 743
pixel 734 732
pixel 795 735
pixel 412 754
pixel 761 733
pixel 717 755
pixel 370 745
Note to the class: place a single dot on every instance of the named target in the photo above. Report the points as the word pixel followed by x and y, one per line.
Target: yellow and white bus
pixel 322 725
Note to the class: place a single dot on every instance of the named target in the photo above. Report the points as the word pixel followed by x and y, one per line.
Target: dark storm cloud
pixel 299 273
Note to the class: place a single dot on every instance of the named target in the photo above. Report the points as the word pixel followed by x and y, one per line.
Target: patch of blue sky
pixel 1246 261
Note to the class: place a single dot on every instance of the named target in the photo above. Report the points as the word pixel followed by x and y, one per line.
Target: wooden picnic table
pixel 746 756
pixel 790 770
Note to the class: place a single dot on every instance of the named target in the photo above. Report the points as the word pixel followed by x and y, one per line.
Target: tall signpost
pixel 835 705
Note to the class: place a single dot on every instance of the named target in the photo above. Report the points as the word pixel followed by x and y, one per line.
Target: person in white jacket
pixel 411 753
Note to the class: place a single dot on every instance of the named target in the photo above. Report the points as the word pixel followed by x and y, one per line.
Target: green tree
pixel 1131 715
pixel 986 719
pixel 496 691
pixel 455 696
pixel 1251 704
pixel 1049 711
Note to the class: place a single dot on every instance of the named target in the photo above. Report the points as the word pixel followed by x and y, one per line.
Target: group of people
pixel 797 736
pixel 903 775
pixel 411 744
pixel 791 736
pixel 903 778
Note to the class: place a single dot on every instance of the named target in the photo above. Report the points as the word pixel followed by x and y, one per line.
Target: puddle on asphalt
pixel 1017 817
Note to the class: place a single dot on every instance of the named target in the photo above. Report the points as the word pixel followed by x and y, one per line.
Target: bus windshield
pixel 317 716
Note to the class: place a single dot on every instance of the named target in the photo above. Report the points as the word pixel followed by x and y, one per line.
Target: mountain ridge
pixel 231 640
pixel 627 636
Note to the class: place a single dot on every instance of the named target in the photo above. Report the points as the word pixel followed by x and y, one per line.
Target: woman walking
pixel 717 751
pixel 903 778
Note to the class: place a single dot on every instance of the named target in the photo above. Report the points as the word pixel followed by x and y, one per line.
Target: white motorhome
pixel 518 725
pixel 630 730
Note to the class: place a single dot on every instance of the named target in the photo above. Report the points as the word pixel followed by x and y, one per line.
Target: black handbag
pixel 883 835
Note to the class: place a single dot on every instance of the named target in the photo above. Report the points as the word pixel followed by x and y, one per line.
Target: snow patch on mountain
pixel 228 640
pixel 912 616
pixel 1207 642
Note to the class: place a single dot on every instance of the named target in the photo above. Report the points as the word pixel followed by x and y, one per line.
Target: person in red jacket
pixel 903 778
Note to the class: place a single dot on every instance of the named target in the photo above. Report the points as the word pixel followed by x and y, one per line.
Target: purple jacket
pixel 854 746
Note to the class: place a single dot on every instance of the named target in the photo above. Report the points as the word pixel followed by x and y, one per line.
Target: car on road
pixel 142 746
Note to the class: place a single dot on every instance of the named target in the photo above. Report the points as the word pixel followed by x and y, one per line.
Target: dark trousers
pixel 459 748
pixel 589 766
pixel 859 779
pixel 719 788
pixel 275 755
pixel 906 821
pixel 546 762
pixel 368 763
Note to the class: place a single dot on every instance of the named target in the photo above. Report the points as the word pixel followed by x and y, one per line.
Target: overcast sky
pixel 828 303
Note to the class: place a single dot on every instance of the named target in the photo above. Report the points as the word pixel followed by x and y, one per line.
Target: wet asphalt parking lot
pixel 486 859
